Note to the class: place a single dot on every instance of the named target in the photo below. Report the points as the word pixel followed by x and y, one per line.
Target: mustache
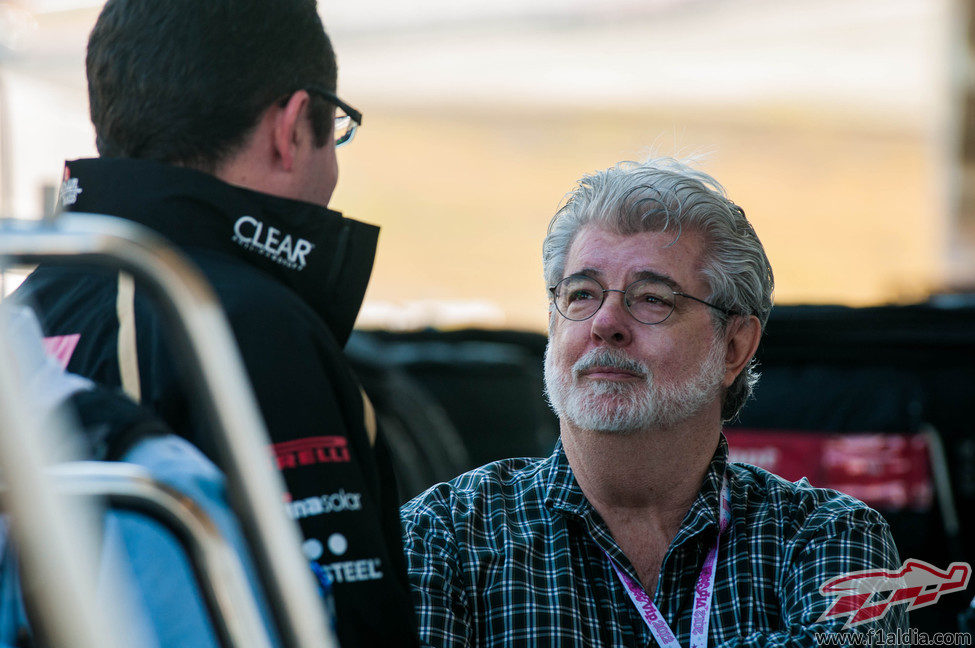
pixel 613 358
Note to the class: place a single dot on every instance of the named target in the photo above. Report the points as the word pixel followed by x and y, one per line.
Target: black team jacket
pixel 291 277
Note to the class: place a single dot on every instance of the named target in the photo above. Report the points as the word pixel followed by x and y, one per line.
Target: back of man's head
pixel 186 81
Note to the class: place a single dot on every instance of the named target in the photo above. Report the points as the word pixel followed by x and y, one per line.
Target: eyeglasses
pixel 578 297
pixel 347 118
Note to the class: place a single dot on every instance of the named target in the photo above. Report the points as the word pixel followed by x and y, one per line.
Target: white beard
pixel 626 407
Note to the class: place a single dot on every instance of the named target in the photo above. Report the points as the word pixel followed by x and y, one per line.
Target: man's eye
pixel 579 295
pixel 650 299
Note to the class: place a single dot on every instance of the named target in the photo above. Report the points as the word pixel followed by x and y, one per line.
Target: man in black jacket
pixel 216 124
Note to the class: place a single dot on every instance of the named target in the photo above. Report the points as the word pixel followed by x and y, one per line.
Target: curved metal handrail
pixel 218 571
pixel 219 383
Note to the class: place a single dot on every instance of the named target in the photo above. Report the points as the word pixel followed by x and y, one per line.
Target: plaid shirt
pixel 512 554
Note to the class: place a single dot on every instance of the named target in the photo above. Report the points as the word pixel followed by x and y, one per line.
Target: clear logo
pixel 291 252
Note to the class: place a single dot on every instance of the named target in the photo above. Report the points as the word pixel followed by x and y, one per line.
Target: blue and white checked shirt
pixel 511 554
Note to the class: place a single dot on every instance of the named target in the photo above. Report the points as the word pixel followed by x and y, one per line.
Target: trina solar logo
pixel 323 504
pixel 310 451
pixel 870 594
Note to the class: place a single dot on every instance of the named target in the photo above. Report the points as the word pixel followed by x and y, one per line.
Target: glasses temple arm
pixel 724 310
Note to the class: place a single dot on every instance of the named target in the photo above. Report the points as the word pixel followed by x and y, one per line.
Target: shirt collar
pixel 562 491
pixel 705 512
pixel 321 255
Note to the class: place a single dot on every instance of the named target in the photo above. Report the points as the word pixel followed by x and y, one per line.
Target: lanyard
pixel 703 592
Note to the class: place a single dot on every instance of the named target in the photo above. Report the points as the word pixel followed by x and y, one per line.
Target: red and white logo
pixel 869 594
pixel 69 189
pixel 311 451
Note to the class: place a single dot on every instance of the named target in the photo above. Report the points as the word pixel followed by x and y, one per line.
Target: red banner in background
pixel 887 471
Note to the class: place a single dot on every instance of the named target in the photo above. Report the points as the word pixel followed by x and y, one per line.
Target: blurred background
pixel 844 128
pixel 836 124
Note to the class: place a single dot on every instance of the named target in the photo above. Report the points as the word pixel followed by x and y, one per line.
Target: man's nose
pixel 613 323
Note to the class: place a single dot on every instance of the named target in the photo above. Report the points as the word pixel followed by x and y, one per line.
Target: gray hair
pixel 662 194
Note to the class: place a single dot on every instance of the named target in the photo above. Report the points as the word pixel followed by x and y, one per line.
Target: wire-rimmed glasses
pixel 650 301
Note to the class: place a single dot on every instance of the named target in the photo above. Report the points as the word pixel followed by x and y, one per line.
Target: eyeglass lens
pixel 344 127
pixel 578 297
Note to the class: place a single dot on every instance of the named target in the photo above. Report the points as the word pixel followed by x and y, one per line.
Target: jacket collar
pixel 321 255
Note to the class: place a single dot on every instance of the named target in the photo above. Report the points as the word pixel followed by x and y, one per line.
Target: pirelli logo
pixel 310 451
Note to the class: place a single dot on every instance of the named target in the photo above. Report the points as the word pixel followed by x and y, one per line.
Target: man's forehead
pixel 634 274
pixel 644 255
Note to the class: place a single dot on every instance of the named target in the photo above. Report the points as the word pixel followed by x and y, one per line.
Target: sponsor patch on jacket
pixel 324 504
pixel 354 571
pixel 61 347
pixel 311 451
pixel 69 192
pixel 282 248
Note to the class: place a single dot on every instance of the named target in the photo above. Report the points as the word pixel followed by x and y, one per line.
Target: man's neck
pixel 645 470
pixel 642 483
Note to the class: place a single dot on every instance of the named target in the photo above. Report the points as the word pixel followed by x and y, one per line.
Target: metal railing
pixel 217 380
pixel 55 541
pixel 218 571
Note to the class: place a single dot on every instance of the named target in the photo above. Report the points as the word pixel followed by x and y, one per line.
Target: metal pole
pixel 6 185
pixel 53 538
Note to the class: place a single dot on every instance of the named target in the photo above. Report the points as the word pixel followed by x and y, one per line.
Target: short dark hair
pixel 186 81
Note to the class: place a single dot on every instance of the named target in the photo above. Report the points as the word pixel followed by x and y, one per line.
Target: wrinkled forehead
pixel 613 256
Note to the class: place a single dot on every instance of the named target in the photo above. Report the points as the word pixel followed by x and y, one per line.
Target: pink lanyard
pixel 703 592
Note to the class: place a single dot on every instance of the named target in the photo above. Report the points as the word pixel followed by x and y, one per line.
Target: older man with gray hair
pixel 638 529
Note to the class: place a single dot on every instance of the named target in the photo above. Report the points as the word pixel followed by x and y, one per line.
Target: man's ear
pixel 741 342
pixel 287 125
